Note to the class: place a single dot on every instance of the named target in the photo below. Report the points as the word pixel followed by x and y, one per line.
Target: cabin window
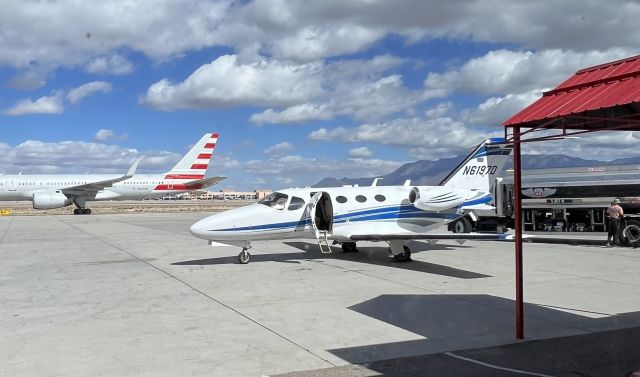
pixel 276 200
pixel 296 203
pixel 361 198
pixel 380 198
pixel 341 199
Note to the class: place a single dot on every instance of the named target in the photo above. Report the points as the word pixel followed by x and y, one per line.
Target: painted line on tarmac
pixel 496 366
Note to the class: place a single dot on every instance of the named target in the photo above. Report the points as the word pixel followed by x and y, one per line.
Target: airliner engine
pixel 435 200
pixel 50 199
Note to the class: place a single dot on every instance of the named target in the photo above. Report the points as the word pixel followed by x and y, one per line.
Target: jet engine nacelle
pixel 50 199
pixel 435 199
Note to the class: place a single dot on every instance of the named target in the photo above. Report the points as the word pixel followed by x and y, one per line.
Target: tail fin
pixel 479 170
pixel 194 164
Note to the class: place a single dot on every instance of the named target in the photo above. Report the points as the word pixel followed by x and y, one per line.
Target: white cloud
pixel 315 42
pixel 54 104
pixel 43 105
pixel 279 149
pixel 228 82
pixel 71 156
pixel 307 91
pixel 285 180
pixel 360 152
pixel 294 114
pixel 28 80
pixel 423 138
pixel 108 135
pixel 495 110
pixel 69 33
pixel 114 64
pixel 313 168
pixel 602 146
pixel 439 110
pixel 76 94
pixel 505 72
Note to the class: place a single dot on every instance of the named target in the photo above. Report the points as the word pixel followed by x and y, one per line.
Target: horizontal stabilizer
pixel 205 182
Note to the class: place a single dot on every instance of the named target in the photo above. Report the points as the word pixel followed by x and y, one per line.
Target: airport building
pixel 224 194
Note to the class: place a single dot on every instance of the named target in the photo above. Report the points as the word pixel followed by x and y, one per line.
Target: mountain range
pixel 424 172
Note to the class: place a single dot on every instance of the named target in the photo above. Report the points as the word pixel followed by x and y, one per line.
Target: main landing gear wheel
pixel 244 257
pixel 349 247
pixel 403 257
pixel 82 211
pixel 462 226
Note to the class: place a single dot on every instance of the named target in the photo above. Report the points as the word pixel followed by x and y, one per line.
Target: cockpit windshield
pixel 276 200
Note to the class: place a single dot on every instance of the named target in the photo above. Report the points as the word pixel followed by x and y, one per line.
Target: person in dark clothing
pixel 615 213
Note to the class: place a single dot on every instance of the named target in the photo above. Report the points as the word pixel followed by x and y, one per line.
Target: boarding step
pixel 323 241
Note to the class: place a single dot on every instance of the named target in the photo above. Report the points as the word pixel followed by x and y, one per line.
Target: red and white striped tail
pixel 195 163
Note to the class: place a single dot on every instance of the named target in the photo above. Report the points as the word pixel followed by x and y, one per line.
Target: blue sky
pixel 298 91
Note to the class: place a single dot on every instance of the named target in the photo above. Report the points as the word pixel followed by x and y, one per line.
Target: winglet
pixel 134 166
pixel 375 182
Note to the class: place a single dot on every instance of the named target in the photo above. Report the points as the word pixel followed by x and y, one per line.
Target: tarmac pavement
pixel 137 295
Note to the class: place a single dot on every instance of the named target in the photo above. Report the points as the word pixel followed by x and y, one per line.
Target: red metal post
pixel 517 213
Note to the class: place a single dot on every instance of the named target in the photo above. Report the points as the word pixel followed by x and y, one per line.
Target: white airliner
pixel 56 191
pixel 349 214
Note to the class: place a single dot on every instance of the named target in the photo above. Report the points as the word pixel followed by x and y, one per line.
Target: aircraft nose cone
pixel 199 229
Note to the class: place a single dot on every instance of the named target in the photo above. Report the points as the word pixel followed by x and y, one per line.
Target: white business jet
pixel 346 215
pixel 57 191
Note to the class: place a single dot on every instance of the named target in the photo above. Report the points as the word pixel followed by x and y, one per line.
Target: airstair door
pixel 320 209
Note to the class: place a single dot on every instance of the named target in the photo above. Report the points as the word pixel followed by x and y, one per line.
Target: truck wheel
pixel 631 233
pixel 462 225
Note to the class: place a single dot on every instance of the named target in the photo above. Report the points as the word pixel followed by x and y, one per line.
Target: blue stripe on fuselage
pixel 383 213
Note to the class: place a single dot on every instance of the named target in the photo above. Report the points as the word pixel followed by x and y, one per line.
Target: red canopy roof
pixel 604 92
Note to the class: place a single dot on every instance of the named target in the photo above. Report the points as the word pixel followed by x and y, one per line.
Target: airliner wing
pixel 445 236
pixel 206 182
pixel 91 189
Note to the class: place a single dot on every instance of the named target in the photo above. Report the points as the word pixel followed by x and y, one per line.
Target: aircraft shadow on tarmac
pixel 458 322
pixel 370 255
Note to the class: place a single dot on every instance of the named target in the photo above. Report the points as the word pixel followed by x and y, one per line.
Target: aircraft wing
pixel 91 189
pixel 431 236
pixel 206 182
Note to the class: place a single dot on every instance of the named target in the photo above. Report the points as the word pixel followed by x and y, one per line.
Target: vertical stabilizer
pixel 194 164
pixel 479 170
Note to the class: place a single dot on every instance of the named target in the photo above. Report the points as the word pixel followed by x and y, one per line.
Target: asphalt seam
pixel 6 231
pixel 203 294
pixel 451 354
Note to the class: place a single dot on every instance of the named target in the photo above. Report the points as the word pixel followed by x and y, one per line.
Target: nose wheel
pixel 403 257
pixel 244 257
pixel 401 252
